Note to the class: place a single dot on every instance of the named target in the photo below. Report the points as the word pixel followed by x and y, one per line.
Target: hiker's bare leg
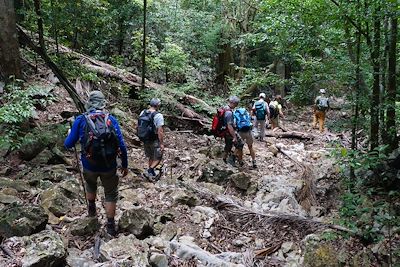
pixel 252 153
pixel 110 209
pixel 90 196
pixel 314 124
pixel 154 163
pixel 239 154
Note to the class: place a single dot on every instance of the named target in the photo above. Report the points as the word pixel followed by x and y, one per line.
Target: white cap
pixel 322 91
pixel 262 95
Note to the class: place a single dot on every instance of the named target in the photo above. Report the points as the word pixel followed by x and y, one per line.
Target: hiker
pixel 101 142
pixel 321 106
pixel 261 111
pixel 151 133
pixel 275 112
pixel 228 131
pixel 243 127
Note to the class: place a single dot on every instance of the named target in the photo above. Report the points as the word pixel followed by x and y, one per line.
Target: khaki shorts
pixel 247 137
pixel 152 150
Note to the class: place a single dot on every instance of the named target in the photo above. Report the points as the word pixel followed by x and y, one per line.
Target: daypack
pixel 242 120
pixel 260 111
pixel 322 103
pixel 273 111
pixel 101 148
pixel 218 127
pixel 145 128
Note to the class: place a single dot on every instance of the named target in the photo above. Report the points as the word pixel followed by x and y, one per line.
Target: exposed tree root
pixel 295 135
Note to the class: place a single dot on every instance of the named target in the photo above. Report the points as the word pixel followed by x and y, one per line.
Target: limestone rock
pixel 19 220
pixel 185 197
pixel 8 199
pixel 125 251
pixel 53 173
pixel 273 149
pixel 84 226
pixel 54 201
pixel 158 260
pixel 19 185
pixel 138 221
pixel 216 171
pixel 45 249
pixel 241 180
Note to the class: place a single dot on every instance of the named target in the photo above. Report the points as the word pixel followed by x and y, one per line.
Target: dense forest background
pixel 210 49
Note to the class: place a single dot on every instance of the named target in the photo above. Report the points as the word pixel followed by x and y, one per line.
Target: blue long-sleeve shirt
pixel 78 133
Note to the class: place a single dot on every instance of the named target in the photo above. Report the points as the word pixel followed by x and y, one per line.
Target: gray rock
pixel 8 199
pixel 216 171
pixel 42 249
pixel 273 149
pixel 138 221
pixel 158 260
pixel 53 200
pixel 85 226
pixel 187 250
pixel 19 220
pixel 53 173
pixel 125 251
pixel 19 185
pixel 185 197
pixel 241 180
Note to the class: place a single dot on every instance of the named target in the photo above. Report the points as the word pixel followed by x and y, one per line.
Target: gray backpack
pixel 323 103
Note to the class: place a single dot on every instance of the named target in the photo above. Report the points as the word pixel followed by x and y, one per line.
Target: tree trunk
pixel 383 79
pixel 120 36
pixel 375 97
pixel 40 24
pixel 281 72
pixel 391 89
pixel 10 64
pixel 224 67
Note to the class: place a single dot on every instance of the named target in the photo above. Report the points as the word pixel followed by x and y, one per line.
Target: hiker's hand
pixel 162 147
pixel 124 172
pixel 235 140
pixel 69 131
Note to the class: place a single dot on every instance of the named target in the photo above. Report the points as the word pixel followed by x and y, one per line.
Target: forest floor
pixel 202 212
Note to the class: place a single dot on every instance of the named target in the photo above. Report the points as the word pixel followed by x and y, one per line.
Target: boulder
pixel 53 173
pixel 185 197
pixel 158 260
pixel 273 149
pixel 125 251
pixel 241 180
pixel 19 185
pixel 53 200
pixel 138 221
pixel 42 249
pixel 8 199
pixel 85 226
pixel 216 171
pixel 19 220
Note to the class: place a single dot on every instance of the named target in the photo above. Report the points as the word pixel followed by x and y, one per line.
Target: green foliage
pixel 174 59
pixel 18 108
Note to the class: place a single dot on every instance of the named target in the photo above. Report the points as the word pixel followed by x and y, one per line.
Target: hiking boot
pixel 231 160
pixel 241 163
pixel 110 228
pixel 150 176
pixel 254 164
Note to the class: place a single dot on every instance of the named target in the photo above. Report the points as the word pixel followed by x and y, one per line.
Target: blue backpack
pixel 242 120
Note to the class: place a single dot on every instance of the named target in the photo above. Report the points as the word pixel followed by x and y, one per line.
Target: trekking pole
pixel 79 169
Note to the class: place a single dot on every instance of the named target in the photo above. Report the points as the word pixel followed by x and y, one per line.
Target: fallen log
pixel 199 126
pixel 295 135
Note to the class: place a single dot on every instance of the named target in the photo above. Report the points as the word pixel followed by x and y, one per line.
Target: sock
pixel 110 221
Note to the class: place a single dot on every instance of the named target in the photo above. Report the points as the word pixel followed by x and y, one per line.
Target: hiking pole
pixel 79 170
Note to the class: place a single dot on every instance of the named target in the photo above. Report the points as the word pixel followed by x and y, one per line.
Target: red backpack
pixel 218 127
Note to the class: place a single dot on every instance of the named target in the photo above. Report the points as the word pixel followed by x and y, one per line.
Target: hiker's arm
pixel 121 142
pixel 160 132
pixel 73 135
pixel 232 132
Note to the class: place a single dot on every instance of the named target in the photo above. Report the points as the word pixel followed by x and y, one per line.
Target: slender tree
pixel 144 45
pixel 391 89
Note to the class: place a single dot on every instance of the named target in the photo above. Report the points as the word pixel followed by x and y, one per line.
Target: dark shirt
pixel 78 133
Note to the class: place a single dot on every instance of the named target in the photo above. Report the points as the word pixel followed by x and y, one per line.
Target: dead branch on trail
pixel 295 135
pixel 262 253
pixel 306 196
pixel 248 217
pixel 198 125
pixel 196 102
pixel 257 219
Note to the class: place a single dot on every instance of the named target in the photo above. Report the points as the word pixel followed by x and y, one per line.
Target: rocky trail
pixel 202 212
